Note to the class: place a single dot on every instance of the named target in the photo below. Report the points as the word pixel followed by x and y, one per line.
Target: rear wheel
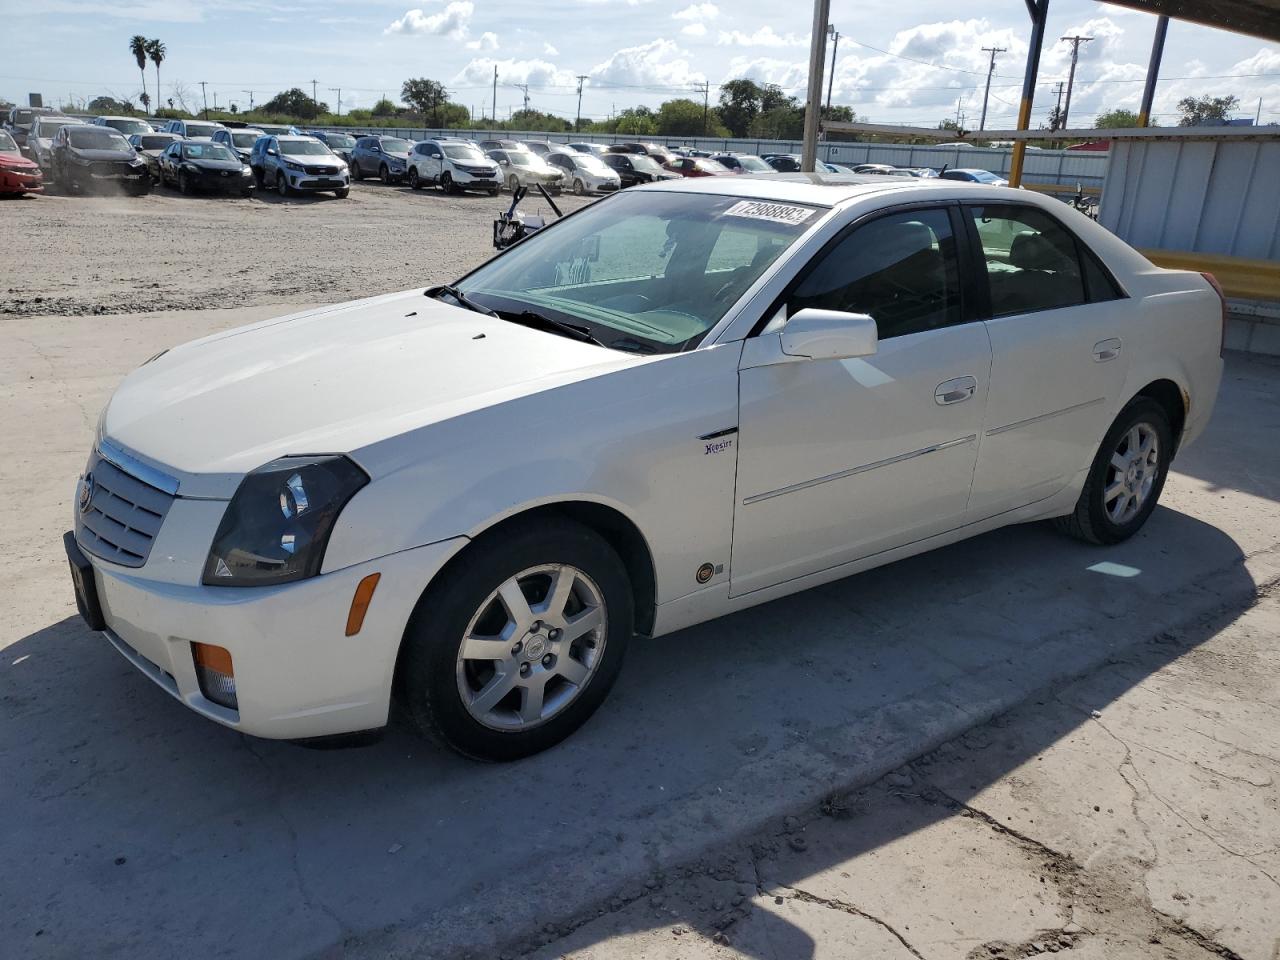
pixel 1126 477
pixel 519 642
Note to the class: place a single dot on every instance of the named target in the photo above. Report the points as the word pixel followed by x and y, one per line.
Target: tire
pixel 446 182
pixel 415 183
pixel 184 183
pixel 342 193
pixel 247 192
pixel 258 181
pixel 384 175
pixel 282 184
pixel 1102 520
pixel 579 190
pixel 435 679
pixel 494 191
pixel 513 183
pixel 354 167
pixel 143 188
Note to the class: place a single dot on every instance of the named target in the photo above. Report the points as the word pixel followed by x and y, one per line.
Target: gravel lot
pixel 118 254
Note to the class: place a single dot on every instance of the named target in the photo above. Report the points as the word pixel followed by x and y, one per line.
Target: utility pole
pixel 215 101
pixel 960 113
pixel 704 88
pixel 1257 117
pixel 982 124
pixel 1071 76
pixel 315 101
pixel 831 80
pixel 525 88
pixel 495 95
pixel 338 91
pixel 577 120
pixel 205 98
pixel 1057 111
pixel 813 104
pixel 250 93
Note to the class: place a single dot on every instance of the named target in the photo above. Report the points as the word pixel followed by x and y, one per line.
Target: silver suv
pixel 456 165
pixel 300 163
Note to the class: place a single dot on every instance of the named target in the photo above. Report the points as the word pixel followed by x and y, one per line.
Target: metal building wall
pixel 1209 196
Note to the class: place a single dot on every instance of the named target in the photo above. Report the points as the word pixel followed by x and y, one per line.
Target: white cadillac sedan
pixel 681 401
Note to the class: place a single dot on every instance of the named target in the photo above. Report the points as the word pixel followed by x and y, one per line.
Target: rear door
pixel 1059 354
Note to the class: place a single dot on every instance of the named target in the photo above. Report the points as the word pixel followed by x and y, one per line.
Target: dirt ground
pixel 69 255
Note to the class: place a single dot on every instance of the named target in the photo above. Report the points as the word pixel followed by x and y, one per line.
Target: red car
pixel 18 175
pixel 696 167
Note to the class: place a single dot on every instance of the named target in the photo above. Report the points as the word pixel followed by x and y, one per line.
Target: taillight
pixel 1222 297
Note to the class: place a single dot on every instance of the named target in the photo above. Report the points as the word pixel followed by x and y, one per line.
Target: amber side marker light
pixel 360 603
pixel 216 674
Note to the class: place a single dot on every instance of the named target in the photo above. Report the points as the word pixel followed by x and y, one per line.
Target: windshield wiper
pixel 462 298
pixel 574 331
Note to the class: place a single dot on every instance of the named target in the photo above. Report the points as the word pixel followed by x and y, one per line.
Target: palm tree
pixel 156 51
pixel 138 47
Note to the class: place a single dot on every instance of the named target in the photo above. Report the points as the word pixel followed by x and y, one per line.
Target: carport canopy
pixel 1257 18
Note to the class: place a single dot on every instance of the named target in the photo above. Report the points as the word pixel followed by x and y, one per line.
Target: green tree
pixel 739 104
pixel 156 52
pixel 138 47
pixel 383 108
pixel 538 120
pixel 1115 119
pixel 145 100
pixel 784 122
pixel 1198 111
pixel 294 103
pixel 110 105
pixel 426 97
pixel 680 118
pixel 636 122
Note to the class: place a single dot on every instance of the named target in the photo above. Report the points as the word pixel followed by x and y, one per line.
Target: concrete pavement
pixel 143 830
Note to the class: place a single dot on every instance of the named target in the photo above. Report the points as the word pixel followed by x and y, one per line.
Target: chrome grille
pixel 123 515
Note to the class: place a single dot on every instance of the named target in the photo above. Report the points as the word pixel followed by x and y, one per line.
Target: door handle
pixel 1105 350
pixel 955 391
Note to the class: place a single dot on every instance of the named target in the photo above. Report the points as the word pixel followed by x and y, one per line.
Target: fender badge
pixel 705 572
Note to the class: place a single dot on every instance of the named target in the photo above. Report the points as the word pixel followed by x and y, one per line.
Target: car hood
pixel 311 159
pixel 233 165
pixel 101 155
pixel 17 161
pixel 332 380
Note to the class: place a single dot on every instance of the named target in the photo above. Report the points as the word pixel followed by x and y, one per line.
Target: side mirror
pixel 829 335
pixel 271 152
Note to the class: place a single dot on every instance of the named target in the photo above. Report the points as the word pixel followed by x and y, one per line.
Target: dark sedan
pixel 633 168
pixel 84 156
pixel 197 165
pixel 783 162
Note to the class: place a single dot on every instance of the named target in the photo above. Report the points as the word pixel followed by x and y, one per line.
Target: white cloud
pixel 656 63
pixel 694 30
pixel 452 21
pixel 764 37
pixel 697 12
pixel 487 41
pixel 534 72
pixel 549 50
pixel 791 77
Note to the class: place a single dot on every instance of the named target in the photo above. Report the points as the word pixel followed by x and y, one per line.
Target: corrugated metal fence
pixel 1042 166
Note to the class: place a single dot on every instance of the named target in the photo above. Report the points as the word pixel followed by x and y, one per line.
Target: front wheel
pixel 518 644
pixel 384 174
pixel 184 182
pixel 355 170
pixel 513 184
pixel 1126 477
pixel 578 188
pixel 342 193
pixel 414 182
pixel 282 184
pixel 446 182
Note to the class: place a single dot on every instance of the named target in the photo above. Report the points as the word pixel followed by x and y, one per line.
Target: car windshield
pixel 459 151
pixel 207 151
pixel 153 142
pixel 392 145
pixel 709 166
pixel 127 126
pixel 983 176
pixel 7 144
pixel 201 129
pixel 649 273
pixel 23 116
pixel 645 164
pixel 304 148
pixel 339 141
pixel 48 126
pixel 520 158
pixel 97 138
pixel 245 138
pixel 755 164
pixel 591 163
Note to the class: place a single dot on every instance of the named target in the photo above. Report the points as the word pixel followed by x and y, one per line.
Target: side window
pixel 1032 261
pixel 900 269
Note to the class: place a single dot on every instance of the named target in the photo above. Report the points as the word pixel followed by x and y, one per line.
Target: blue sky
pixel 898 63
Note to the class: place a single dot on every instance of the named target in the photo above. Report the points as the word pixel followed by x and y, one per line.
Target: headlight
pixel 396 162
pixel 278 523
pixel 246 172
pixel 293 166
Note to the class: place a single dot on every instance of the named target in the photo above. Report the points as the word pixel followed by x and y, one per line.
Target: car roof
pixel 292 137
pixel 832 189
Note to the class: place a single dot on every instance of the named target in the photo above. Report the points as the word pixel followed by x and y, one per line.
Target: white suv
pixel 455 165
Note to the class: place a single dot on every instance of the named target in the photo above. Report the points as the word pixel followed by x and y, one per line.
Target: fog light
pixel 215 674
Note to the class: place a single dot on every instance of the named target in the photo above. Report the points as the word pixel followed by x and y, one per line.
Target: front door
pixel 841 459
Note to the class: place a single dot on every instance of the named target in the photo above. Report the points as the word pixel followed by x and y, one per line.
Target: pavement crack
pixel 1177 928
pixel 831 904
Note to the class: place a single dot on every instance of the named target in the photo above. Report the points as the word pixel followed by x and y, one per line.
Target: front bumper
pixel 305 181
pixel 297 674
pixel 475 181
pixel 12 181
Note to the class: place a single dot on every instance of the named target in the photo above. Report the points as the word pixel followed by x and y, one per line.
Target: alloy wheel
pixel 532 647
pixel 282 185
pixel 384 175
pixel 1134 467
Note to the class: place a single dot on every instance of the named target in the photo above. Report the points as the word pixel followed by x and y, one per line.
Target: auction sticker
pixel 775 212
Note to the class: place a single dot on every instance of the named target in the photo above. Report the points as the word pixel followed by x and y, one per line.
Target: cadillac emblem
pixel 86 493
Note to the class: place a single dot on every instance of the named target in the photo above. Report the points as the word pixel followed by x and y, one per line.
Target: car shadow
pixel 131 808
